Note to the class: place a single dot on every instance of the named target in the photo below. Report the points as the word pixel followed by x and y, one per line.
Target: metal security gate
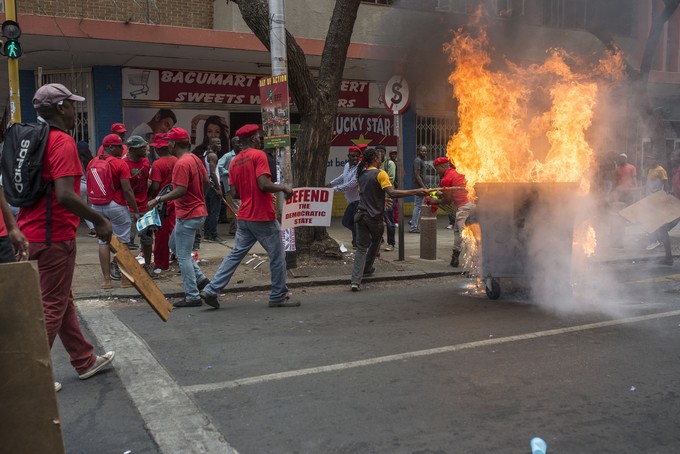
pixel 80 83
pixel 434 133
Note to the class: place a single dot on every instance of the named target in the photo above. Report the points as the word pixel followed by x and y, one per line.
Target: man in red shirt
pixel 250 180
pixel 110 194
pixel 450 178
pixel 189 179
pixel 55 105
pixel 161 177
pixel 140 167
pixel 625 179
pixel 119 130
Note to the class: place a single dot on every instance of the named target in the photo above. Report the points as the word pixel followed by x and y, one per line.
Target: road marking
pixel 666 278
pixel 172 418
pixel 208 387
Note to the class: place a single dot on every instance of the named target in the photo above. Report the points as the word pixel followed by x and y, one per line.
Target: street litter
pixel 538 446
pixel 632 388
pixel 255 267
pixel 248 262
pixel 343 248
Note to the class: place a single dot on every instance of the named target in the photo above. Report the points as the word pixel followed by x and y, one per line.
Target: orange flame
pixel 524 124
pixel 585 239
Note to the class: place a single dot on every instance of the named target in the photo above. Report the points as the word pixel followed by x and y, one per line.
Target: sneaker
pixel 91 234
pixel 652 246
pixel 151 272
pixel 355 287
pixel 210 300
pixel 389 248
pixel 449 227
pixel 114 272
pixel 188 303
pixel 203 283
pixel 57 386
pixel 214 239
pixel 414 231
pixel 284 302
pixel 99 364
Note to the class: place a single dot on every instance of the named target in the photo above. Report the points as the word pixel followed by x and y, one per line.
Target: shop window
pixel 615 16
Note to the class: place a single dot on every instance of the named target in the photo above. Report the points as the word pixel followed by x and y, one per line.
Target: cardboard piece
pixel 29 417
pixel 653 211
pixel 139 278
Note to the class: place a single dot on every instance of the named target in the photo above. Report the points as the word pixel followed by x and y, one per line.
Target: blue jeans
pixel 268 234
pixel 181 241
pixel 348 220
pixel 415 217
pixel 213 204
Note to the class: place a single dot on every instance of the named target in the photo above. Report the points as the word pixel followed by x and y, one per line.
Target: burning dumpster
pixel 527 232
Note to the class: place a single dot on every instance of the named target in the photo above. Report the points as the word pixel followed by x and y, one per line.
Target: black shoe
pixel 284 302
pixel 455 259
pixel 149 271
pixel 114 271
pixel 188 303
pixel 210 300
pixel 202 283
pixel 369 271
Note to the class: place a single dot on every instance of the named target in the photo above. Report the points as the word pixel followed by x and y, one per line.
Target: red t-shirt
pixel 452 178
pixel 139 180
pixel 189 172
pixel 61 160
pixel 3 227
pixel 243 172
pixel 161 170
pixel 625 177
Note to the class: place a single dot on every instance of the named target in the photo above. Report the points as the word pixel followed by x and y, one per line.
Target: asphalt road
pixel 423 366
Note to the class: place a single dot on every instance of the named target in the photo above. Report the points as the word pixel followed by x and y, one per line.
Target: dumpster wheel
pixel 493 288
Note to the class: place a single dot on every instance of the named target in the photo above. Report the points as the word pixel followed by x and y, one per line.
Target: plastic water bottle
pixel 538 446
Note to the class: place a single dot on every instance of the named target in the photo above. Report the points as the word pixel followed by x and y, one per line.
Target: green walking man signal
pixel 11 47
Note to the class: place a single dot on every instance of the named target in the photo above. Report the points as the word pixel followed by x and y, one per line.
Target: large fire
pixel 524 124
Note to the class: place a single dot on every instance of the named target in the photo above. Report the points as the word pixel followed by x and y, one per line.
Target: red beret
pixel 159 141
pixel 441 160
pixel 112 139
pixel 118 127
pixel 178 135
pixel 247 131
pixel 354 149
pixel 362 146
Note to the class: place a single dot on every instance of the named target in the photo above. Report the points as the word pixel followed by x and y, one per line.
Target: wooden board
pixel 139 278
pixel 653 211
pixel 29 418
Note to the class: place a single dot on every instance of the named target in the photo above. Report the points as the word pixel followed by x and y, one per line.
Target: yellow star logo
pixel 361 140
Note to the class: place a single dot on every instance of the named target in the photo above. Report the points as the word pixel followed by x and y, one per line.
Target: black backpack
pixel 22 166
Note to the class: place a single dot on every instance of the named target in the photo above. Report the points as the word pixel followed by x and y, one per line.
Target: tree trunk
pixel 316 100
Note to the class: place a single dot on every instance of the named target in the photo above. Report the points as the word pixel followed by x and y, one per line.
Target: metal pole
pixel 279 59
pixel 13 70
pixel 398 131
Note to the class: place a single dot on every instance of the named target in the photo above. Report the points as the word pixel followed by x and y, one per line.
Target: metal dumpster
pixel 527 232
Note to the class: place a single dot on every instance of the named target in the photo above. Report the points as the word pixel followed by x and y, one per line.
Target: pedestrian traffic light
pixel 11 48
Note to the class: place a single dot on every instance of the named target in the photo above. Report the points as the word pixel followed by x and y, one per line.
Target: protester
pixel 250 181
pixel 657 180
pixel 119 130
pixel 453 184
pixel 419 170
pixel 394 154
pixel 213 195
pixel 13 243
pixel 161 176
pixel 140 168
pixel 374 184
pixel 85 156
pixel 56 256
pixel 189 180
pixel 625 180
pixel 390 167
pixel 662 232
pixel 348 184
pixel 223 168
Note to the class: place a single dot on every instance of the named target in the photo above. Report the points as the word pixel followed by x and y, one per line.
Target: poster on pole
pixel 308 207
pixel 275 111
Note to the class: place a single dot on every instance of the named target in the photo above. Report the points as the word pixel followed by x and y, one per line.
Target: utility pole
pixel 279 59
pixel 13 70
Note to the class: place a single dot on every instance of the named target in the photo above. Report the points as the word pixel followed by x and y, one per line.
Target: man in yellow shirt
pixel 657 180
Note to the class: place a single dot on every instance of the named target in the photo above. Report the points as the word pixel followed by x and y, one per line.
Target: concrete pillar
pixel 428 234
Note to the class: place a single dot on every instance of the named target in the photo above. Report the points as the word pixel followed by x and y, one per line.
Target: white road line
pixel 208 387
pixel 172 418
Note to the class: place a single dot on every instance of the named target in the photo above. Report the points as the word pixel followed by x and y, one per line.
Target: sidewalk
pixel 253 273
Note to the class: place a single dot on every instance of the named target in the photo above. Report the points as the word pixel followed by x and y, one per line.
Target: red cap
pixel 441 160
pixel 159 141
pixel 118 128
pixel 178 135
pixel 247 131
pixel 112 139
